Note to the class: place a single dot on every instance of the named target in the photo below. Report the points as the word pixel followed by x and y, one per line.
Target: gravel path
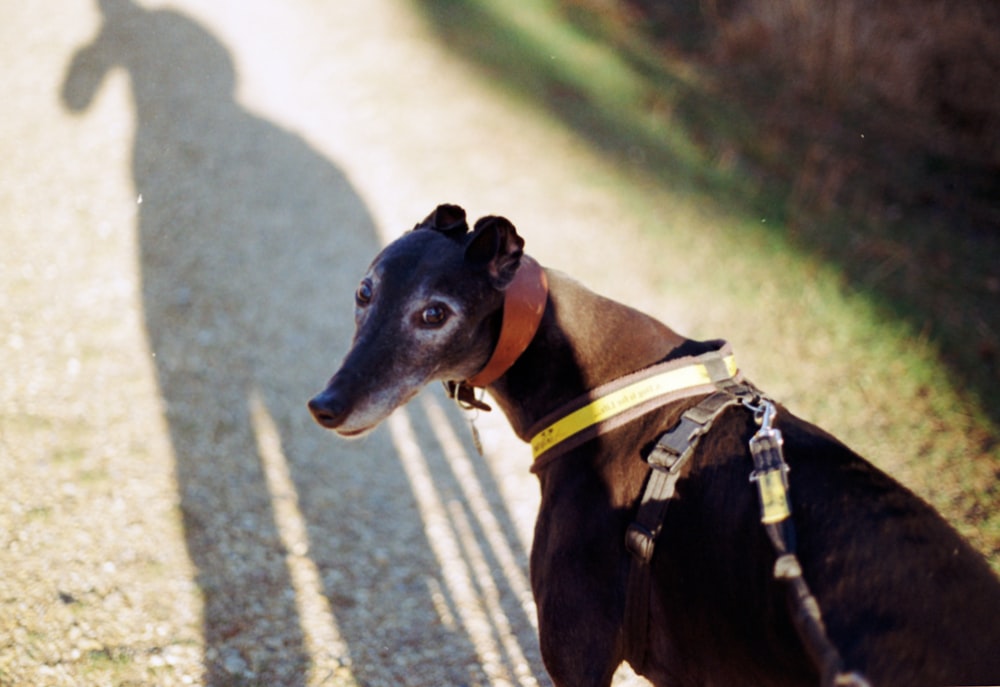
pixel 189 193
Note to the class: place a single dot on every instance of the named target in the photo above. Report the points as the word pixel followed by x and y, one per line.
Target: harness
pixel 714 376
pixel 620 401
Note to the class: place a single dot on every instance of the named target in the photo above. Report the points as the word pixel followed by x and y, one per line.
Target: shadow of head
pixel 167 55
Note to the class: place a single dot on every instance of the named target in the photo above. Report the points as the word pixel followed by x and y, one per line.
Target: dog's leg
pixel 576 576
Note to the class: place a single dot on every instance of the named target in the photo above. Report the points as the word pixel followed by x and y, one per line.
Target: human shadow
pixel 250 245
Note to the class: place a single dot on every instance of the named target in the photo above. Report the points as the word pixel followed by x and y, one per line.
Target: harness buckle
pixel 676 446
pixel 673 447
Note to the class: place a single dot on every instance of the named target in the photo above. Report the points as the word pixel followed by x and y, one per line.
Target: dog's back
pixel 905 599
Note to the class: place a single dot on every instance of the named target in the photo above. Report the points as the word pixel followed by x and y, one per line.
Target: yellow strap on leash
pixel 773 497
pixel 624 399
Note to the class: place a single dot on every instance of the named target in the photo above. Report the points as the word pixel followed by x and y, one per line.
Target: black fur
pixel 905 599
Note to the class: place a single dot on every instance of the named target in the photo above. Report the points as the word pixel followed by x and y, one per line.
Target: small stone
pixel 233 663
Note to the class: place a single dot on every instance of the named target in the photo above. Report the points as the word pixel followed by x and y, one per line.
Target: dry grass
pixel 927 58
pixel 918 80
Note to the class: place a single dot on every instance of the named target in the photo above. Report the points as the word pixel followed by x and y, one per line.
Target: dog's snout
pixel 329 410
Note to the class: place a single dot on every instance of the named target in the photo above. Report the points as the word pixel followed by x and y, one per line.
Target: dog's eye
pixel 364 293
pixel 434 315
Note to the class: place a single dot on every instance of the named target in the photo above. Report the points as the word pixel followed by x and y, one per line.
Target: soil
pixel 189 195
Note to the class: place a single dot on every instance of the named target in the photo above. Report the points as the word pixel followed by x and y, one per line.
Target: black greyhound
pixel 905 600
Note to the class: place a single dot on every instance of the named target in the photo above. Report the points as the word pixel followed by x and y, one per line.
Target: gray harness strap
pixel 667 458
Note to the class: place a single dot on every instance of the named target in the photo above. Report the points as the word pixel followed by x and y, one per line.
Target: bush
pixel 920 80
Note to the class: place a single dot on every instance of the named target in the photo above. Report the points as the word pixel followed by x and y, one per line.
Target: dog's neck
pixel 584 340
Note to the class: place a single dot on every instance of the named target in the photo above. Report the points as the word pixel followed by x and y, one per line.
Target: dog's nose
pixel 328 410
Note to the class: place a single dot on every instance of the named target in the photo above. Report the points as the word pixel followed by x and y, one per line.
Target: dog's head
pixel 429 308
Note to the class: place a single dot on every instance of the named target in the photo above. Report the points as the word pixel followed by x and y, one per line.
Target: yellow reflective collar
pixel 614 404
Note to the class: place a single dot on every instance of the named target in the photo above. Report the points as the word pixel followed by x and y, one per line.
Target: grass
pixel 626 103
pixel 108 659
pixel 876 321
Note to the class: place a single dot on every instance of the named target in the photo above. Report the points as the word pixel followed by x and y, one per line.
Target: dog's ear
pixel 495 246
pixel 447 219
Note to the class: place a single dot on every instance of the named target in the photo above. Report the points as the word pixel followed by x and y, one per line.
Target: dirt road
pixel 188 195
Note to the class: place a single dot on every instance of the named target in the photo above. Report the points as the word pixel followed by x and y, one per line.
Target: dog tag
pixel 475 436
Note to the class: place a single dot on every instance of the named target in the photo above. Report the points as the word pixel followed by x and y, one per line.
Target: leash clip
pixel 764 412
pixel 770 472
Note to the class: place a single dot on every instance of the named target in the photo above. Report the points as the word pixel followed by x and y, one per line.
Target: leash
pixel 770 474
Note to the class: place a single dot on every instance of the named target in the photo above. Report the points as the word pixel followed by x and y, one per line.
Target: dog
pixel 904 599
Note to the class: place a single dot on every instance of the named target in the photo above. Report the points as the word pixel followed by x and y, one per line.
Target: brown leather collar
pixel 523 307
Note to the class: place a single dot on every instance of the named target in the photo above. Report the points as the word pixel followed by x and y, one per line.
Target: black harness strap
pixel 667 458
